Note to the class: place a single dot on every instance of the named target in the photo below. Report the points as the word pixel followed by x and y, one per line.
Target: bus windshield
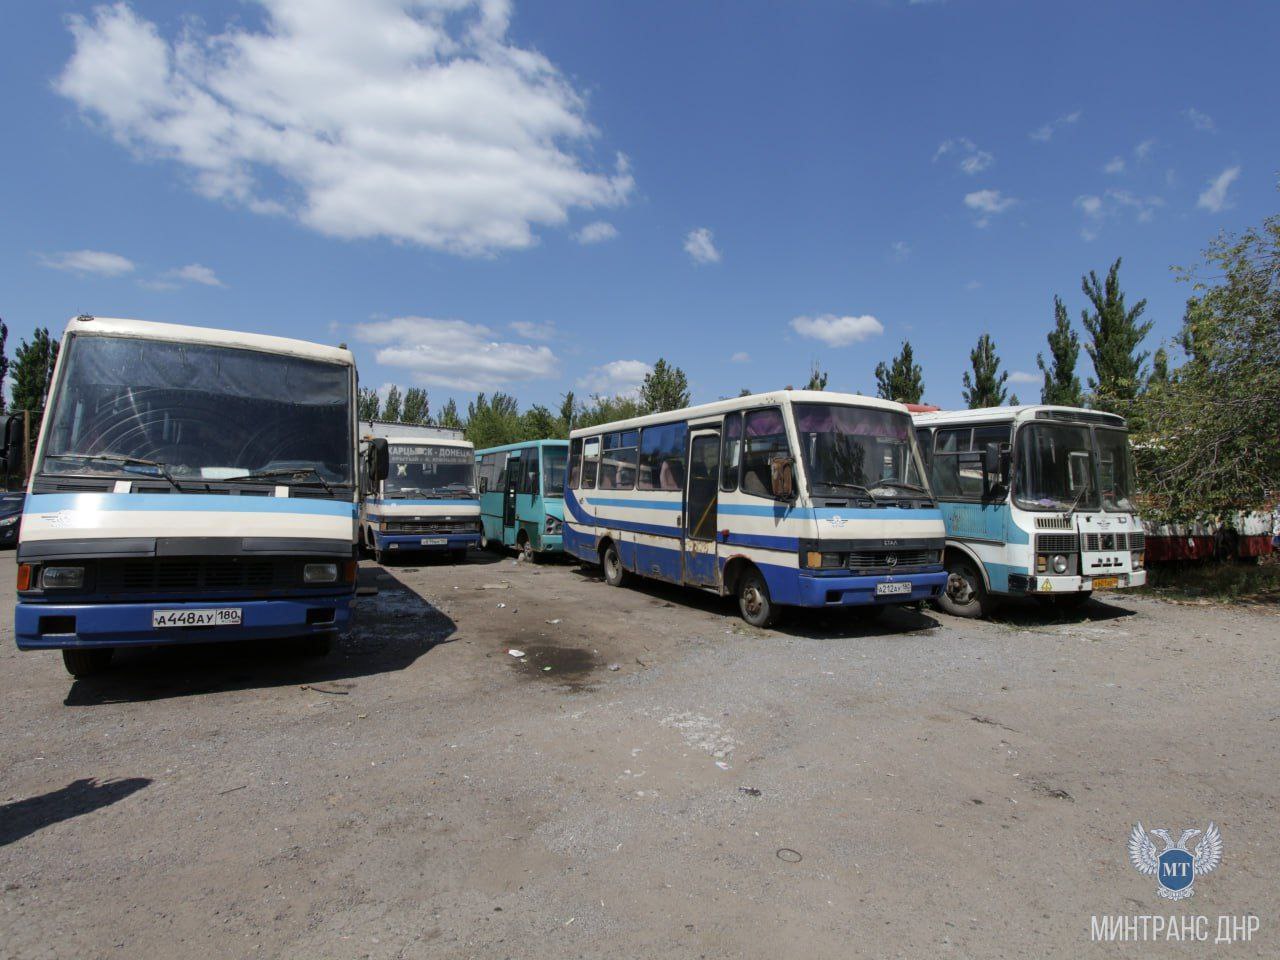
pixel 130 407
pixel 1055 463
pixel 859 449
pixel 1115 470
pixel 554 460
pixel 429 469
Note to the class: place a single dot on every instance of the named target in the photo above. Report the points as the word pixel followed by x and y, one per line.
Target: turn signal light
pixel 25 571
pixel 349 571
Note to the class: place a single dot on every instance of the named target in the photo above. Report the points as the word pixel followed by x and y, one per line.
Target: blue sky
pixel 541 197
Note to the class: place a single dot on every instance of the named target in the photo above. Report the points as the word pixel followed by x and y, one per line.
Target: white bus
pixel 793 498
pixel 1038 501
pixel 189 485
pixel 426 501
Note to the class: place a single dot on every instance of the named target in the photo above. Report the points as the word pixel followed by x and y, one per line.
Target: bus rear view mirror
pixel 782 474
pixel 11 455
pixel 379 460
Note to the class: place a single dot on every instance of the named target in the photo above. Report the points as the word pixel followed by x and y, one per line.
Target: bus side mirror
pixel 484 484
pixel 13 446
pixel 995 465
pixel 379 460
pixel 782 475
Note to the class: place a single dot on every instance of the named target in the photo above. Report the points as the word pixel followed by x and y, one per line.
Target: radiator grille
pixel 879 559
pixel 194 574
pixel 1053 523
pixel 1057 543
pixel 1115 541
pixel 431 526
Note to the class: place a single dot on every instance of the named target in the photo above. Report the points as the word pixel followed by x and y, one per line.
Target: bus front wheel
pixel 964 595
pixel 614 573
pixel 754 602
pixel 87 663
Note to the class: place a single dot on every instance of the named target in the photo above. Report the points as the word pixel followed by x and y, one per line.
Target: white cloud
pixel 97 262
pixel 1199 119
pixel 1045 133
pixel 534 331
pixel 1099 207
pixel 597 232
pixel 416 120
pixel 197 273
pixel 988 203
pixel 1214 197
pixel 900 250
pixel 1143 150
pixel 454 353
pixel 971 159
pixel 973 285
pixel 1021 376
pixel 1114 165
pixel 740 357
pixel 620 378
pixel 700 245
pixel 838 331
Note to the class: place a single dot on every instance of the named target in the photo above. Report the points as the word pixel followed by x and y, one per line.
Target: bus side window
pixel 590 462
pixel 925 439
pixel 575 463
pixel 662 453
pixel 953 473
pixel 618 466
pixel 732 453
pixel 766 439
pixel 529 478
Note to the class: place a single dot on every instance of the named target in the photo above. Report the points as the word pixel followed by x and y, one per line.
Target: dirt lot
pixel 675 785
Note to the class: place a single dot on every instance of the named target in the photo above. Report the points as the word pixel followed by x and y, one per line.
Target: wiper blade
pixel 849 486
pixel 902 484
pixel 123 459
pixel 285 472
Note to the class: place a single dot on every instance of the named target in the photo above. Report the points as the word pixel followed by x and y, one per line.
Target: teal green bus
pixel 522 496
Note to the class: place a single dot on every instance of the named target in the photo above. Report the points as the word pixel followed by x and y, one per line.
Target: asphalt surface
pixel 652 778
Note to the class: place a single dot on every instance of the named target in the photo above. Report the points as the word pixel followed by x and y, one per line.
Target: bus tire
pixel 87 663
pixel 754 602
pixel 964 595
pixel 615 575
pixel 379 556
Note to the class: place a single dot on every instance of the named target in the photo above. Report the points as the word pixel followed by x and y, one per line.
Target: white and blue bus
pixel 189 485
pixel 794 498
pixel 427 500
pixel 1038 501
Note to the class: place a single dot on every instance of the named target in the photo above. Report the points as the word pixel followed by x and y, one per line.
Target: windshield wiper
pixel 902 484
pixel 285 472
pixel 849 486
pixel 123 459
pixel 1076 502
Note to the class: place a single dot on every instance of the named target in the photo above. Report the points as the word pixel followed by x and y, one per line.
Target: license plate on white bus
pixel 893 589
pixel 435 541
pixel 216 617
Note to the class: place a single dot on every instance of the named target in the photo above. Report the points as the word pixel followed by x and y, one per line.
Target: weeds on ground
pixel 1224 582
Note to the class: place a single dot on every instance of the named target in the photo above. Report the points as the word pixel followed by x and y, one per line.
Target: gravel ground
pixel 676 784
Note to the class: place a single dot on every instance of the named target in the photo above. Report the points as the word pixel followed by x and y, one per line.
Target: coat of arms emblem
pixel 1174 868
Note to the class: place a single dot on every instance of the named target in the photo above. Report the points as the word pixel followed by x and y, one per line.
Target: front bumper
pixel 407 542
pixel 1049 586
pixel 129 624
pixel 828 591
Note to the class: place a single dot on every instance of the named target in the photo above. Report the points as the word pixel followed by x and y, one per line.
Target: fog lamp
pixel 1059 563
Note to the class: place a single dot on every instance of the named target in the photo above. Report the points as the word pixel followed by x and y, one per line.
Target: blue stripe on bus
pixel 179 502
pixel 636 504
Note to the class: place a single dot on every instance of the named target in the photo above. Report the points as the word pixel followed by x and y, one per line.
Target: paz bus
pixel 792 498
pixel 522 495
pixel 425 499
pixel 188 485
pixel 1038 501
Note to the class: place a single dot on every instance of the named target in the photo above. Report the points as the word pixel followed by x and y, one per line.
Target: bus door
pixel 702 494
pixel 515 469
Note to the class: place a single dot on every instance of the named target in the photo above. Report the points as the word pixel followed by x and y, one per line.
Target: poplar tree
pixel 665 387
pixel 368 404
pixel 391 406
pixel 985 387
pixel 1115 331
pixel 817 378
pixel 902 380
pixel 4 361
pixel 449 415
pixel 32 370
pixel 416 409
pixel 1061 385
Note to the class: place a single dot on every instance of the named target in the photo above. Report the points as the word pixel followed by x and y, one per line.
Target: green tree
pixel 368 404
pixel 608 409
pixel 415 409
pixel 391 405
pixel 449 415
pixel 494 421
pixel 1061 385
pixel 1115 332
pixel 665 387
pixel 32 370
pixel 817 378
pixel 902 380
pixel 744 392
pixel 984 387
pixel 4 361
pixel 568 414
pixel 538 423
pixel 1209 446
pixel 1159 369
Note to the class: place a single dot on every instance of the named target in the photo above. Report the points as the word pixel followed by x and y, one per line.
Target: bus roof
pixel 426 442
pixel 523 445
pixel 1026 411
pixel 179 333
pixel 780 397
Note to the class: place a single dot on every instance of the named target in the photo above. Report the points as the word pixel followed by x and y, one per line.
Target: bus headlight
pixel 320 573
pixel 815 560
pixel 62 578
pixel 1060 564
pixel 1139 559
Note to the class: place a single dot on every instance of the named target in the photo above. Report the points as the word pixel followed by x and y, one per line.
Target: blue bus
pixel 522 495
pixel 426 500
pixel 793 498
